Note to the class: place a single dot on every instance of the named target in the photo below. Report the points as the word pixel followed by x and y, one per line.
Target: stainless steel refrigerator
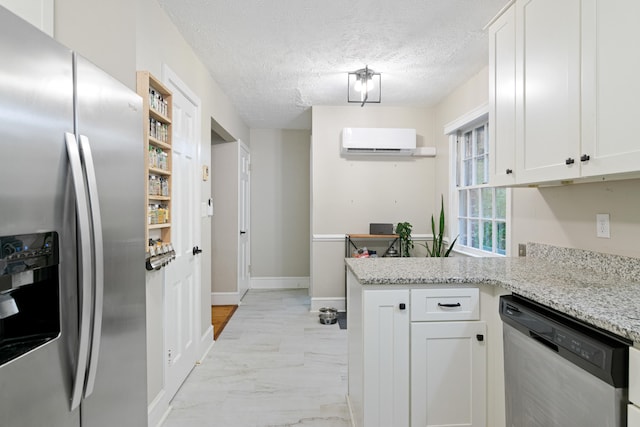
pixel 72 218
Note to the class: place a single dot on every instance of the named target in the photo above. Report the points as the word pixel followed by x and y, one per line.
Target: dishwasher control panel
pixel 579 346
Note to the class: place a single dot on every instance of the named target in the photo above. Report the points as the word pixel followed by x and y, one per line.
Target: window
pixel 481 210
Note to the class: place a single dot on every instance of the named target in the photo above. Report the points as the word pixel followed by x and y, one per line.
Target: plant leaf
pixel 451 246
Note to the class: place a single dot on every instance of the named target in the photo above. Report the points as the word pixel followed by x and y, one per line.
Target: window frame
pixel 455 131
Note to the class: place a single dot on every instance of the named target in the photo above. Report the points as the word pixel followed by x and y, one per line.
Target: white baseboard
pixel 206 342
pixel 280 282
pixel 225 298
pixel 158 410
pixel 335 302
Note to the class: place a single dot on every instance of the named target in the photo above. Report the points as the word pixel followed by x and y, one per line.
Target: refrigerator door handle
pixel 85 270
pixel 98 266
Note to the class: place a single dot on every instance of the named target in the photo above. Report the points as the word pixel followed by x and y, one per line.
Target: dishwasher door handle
pixel 543 341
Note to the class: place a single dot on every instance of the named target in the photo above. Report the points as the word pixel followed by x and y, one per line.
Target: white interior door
pixel 244 259
pixel 182 281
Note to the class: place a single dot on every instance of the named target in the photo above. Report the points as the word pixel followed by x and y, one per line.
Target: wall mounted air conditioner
pixel 387 141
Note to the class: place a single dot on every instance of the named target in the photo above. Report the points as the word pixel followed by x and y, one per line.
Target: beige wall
pixel 280 212
pixel 566 216
pixel 104 32
pixel 224 233
pixel 350 192
pixel 465 98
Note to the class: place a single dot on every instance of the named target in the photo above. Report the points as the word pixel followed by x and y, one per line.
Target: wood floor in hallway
pixel 220 316
pixel 274 365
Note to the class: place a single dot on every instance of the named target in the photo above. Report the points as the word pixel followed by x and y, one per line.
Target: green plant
pixel 403 230
pixel 438 247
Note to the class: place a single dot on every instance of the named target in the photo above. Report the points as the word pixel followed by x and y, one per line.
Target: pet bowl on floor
pixel 328 315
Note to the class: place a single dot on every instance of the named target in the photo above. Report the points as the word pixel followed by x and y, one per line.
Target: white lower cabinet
pixel 386 358
pixel 426 373
pixel 448 374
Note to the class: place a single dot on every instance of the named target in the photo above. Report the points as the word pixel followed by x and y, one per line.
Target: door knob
pixel 243 232
pixel 196 250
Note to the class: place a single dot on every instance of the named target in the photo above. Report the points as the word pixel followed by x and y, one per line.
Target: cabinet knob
pixel 402 306
pixel 569 161
pixel 196 250
pixel 480 337
pixel 509 171
pixel 585 158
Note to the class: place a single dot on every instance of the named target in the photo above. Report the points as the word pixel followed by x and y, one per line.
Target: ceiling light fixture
pixel 364 86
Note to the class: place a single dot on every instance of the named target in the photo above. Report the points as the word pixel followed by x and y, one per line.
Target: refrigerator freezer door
pixel 109 117
pixel 36 195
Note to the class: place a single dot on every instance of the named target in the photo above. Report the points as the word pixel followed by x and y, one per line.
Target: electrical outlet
pixel 522 249
pixel 603 226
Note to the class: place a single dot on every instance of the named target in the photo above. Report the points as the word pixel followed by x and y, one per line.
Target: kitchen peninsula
pixel 389 310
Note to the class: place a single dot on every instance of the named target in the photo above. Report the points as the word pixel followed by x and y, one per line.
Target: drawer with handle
pixel 445 304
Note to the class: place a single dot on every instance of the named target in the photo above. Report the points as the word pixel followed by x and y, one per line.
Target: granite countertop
pixel 599 289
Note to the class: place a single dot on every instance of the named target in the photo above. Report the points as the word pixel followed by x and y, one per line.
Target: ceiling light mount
pixel 364 86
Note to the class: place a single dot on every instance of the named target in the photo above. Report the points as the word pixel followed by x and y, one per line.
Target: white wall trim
pixel 280 282
pixel 467 118
pixel 329 237
pixel 452 213
pixel 335 302
pixel 225 298
pixel 341 237
pixel 172 78
pixel 206 343
pixel 158 410
pixel 421 237
pixel 495 18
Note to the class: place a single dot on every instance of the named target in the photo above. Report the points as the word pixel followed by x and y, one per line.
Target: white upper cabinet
pixel 548 89
pixel 502 94
pixel 611 86
pixel 562 94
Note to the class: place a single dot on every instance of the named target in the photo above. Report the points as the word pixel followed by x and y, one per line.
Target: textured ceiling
pixel 276 58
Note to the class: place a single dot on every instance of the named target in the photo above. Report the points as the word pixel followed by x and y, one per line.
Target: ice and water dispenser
pixel 29 293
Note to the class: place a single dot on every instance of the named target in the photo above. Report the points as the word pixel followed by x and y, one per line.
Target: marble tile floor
pixel 274 365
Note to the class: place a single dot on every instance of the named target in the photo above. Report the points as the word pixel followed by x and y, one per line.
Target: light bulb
pixel 358 85
pixel 363 86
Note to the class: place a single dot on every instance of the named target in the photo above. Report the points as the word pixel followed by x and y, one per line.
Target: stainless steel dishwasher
pixel 560 372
